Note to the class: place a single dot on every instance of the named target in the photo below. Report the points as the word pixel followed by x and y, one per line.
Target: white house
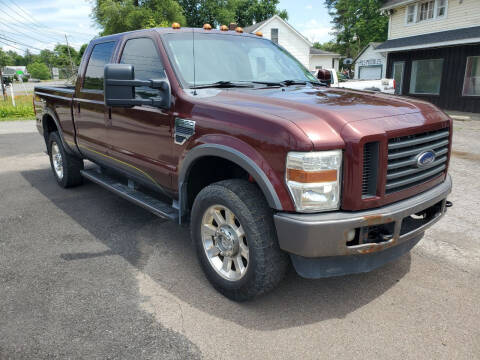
pixel 433 51
pixel 370 64
pixel 283 34
pixel 12 70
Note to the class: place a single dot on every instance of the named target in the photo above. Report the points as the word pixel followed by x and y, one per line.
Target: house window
pixel 411 9
pixel 426 76
pixel 426 10
pixel 471 83
pixel 441 8
pixel 274 35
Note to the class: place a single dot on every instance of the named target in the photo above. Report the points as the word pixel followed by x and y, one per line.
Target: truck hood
pixel 321 112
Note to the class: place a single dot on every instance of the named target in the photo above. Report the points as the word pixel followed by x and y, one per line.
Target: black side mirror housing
pixel 324 76
pixel 119 86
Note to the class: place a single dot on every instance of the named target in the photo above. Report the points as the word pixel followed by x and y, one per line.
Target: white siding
pixel 321 60
pixel 290 40
pixel 371 54
pixel 460 14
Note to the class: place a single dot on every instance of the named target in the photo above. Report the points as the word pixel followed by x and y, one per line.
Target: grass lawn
pixel 22 111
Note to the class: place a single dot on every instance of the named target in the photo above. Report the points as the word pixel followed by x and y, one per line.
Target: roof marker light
pixel 239 29
pixel 224 28
pixel 259 33
pixel 175 26
pixel 207 27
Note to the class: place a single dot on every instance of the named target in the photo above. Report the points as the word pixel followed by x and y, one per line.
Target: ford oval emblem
pixel 425 158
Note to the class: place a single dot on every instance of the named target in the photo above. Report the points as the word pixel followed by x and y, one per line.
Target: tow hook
pixel 448 204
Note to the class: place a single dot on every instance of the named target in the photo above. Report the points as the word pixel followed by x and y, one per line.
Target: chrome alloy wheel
pixel 224 242
pixel 57 160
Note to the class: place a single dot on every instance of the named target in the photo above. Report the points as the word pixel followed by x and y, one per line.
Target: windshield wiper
pixel 268 83
pixel 301 82
pixel 222 84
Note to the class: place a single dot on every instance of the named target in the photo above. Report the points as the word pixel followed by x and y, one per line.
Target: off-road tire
pixel 71 164
pixel 267 264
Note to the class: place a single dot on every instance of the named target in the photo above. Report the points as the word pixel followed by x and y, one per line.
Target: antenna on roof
pixel 193 50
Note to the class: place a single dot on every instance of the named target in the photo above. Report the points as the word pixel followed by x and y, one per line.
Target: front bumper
pixel 316 239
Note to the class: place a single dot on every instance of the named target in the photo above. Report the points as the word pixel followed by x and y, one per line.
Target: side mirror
pixel 324 76
pixel 119 85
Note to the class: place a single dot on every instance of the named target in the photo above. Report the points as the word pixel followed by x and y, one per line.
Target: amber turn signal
pixel 302 176
pixel 175 25
pixel 259 33
pixel 207 27
pixel 224 28
pixel 239 29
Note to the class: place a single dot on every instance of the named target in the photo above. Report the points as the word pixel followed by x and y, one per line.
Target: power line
pixel 26 24
pixel 13 46
pixel 16 28
pixel 38 24
pixel 19 43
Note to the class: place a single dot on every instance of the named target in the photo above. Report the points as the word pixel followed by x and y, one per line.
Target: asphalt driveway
pixel 85 274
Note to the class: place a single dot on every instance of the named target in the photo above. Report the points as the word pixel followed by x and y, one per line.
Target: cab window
pixel 101 55
pixel 142 54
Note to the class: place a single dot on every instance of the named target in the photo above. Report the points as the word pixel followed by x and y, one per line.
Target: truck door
pixel 140 137
pixel 88 106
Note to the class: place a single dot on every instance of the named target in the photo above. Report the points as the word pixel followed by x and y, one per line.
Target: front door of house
pixel 398 68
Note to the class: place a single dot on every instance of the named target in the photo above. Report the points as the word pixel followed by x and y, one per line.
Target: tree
pixel 116 16
pixel 199 12
pixel 6 58
pixel 39 70
pixel 356 23
pixel 248 12
pixel 327 46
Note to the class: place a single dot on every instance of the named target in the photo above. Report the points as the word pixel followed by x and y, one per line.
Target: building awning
pixel 463 36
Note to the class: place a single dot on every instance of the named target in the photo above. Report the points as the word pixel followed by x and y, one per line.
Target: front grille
pixel 403 152
pixel 370 169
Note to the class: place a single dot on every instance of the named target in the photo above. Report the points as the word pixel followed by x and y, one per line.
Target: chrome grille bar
pixel 412 179
pixel 418 150
pixel 415 170
pixel 418 140
pixel 395 165
pixel 403 169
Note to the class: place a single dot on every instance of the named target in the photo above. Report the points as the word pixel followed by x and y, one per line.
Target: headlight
pixel 313 179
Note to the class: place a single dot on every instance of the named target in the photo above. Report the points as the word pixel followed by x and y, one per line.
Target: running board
pixel 149 203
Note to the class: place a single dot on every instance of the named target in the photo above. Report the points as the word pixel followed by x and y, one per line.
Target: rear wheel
pixel 66 168
pixel 232 227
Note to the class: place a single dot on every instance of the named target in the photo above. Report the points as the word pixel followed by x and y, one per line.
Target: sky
pixel 40 24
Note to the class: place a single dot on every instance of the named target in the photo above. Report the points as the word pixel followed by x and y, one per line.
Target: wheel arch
pixel 232 155
pixel 51 123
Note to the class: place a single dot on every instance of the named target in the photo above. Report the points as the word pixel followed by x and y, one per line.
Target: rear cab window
pixel 100 56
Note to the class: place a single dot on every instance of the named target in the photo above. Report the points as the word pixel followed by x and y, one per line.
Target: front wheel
pixel 236 243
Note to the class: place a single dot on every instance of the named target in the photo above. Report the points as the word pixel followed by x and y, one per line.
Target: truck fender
pixel 49 112
pixel 234 156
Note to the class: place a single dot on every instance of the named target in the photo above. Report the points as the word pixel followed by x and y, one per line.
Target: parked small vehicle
pixel 331 78
pixel 267 165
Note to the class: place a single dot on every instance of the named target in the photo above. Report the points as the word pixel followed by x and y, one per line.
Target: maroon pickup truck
pixel 230 133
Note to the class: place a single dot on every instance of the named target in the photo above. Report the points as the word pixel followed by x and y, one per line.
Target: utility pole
pixel 2 86
pixel 70 56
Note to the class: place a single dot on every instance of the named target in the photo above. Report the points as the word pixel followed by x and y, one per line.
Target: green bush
pixel 39 71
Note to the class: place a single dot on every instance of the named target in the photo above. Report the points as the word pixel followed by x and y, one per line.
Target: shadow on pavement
pixel 163 251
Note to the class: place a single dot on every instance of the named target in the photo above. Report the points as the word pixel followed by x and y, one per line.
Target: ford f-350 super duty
pixel 228 132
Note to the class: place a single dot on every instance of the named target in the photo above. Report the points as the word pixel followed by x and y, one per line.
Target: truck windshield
pixel 222 58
